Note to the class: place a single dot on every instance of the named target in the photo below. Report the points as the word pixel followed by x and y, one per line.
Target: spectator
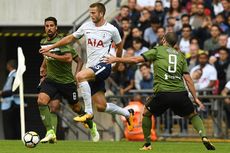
pixel 138 47
pixel 192 59
pixel 126 29
pixel 174 11
pixel 197 19
pixel 223 40
pixel 124 78
pixel 211 44
pixel 160 35
pixel 185 20
pixel 159 12
pixel 209 75
pixel 195 77
pixel 226 11
pixel 221 66
pixel 10 105
pixel 124 13
pixel 147 77
pixel 144 20
pixel 184 41
pixel 216 7
pixel 150 35
pixel 135 33
pixel 220 21
pixel 134 14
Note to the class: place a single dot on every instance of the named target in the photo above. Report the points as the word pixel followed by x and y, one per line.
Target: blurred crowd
pixel 203 27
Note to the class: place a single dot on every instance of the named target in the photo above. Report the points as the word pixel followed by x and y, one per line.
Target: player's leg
pixel 54 106
pixel 155 105
pixel 46 92
pixel 146 127
pixel 183 106
pixel 69 91
pixel 103 106
pixel 199 127
pixel 82 78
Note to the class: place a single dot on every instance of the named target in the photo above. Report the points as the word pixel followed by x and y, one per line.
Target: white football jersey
pixel 98 40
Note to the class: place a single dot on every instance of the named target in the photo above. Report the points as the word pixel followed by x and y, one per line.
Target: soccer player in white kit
pixel 99 35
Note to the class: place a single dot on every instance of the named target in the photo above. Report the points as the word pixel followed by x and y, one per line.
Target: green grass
pixel 109 147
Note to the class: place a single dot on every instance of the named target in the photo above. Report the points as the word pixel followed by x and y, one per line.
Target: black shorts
pixel 56 90
pixel 102 72
pixel 179 102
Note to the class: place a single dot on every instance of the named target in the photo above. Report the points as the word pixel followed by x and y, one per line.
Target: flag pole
pixel 22 110
pixel 18 82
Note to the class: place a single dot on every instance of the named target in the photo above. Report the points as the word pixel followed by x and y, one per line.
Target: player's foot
pixel 146 146
pixel 208 144
pixel 94 133
pixel 50 137
pixel 85 125
pixel 130 119
pixel 83 118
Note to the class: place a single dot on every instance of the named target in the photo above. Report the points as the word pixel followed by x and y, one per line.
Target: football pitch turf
pixel 110 147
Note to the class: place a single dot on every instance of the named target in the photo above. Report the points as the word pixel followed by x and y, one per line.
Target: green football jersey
pixel 58 71
pixel 169 66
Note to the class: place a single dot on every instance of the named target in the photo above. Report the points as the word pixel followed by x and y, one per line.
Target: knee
pixel 42 100
pixel 101 107
pixel 54 106
pixel 80 76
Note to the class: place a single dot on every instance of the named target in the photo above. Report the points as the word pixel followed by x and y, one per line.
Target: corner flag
pixel 21 69
pixel 18 81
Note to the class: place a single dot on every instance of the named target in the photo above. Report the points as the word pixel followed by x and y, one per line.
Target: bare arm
pixel 134 59
pixel 67 57
pixel 79 62
pixel 64 41
pixel 43 68
pixel 192 89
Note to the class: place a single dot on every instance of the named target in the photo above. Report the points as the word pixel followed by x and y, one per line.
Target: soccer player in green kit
pixel 58 81
pixel 170 69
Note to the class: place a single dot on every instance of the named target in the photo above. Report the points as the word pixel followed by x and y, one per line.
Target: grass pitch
pixel 109 147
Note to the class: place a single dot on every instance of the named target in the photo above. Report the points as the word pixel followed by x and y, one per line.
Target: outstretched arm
pixel 64 41
pixel 192 89
pixel 134 59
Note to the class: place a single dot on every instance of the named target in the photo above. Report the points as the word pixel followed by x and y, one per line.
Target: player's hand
pixel 42 71
pixel 200 104
pixel 47 54
pixel 109 59
pixel 44 49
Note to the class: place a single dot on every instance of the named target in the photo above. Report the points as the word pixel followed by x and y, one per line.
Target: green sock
pixel 198 125
pixel 54 121
pixel 46 117
pixel 146 127
pixel 89 123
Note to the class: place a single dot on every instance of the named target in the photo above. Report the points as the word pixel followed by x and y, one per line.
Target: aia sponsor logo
pixel 95 43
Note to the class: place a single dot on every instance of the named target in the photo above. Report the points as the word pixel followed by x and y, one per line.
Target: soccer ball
pixel 31 139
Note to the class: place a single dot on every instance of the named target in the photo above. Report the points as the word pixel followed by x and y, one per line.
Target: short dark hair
pixel 187 26
pixel 100 6
pixel 144 65
pixel 12 63
pixel 51 19
pixel 184 15
pixel 171 38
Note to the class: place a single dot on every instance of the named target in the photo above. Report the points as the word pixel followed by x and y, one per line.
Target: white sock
pixel 114 109
pixel 86 95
